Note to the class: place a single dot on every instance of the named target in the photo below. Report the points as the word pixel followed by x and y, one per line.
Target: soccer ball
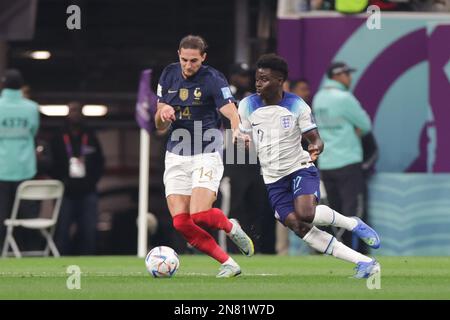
pixel 162 262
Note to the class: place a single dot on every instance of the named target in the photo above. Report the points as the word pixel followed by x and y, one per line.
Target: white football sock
pixel 319 240
pixel 341 251
pixel 325 216
pixel 233 229
pixel 324 242
pixel 231 261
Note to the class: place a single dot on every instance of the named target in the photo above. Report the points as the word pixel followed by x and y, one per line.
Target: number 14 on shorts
pixel 205 174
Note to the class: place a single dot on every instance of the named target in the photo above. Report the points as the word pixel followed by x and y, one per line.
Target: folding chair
pixel 34 190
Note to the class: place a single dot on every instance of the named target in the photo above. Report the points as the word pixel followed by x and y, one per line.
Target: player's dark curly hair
pixel 274 62
pixel 193 42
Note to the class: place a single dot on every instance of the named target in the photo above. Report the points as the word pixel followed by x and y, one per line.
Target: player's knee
pixel 299 227
pixel 305 213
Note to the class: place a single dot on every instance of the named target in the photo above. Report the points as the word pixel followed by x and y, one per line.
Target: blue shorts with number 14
pixel 283 192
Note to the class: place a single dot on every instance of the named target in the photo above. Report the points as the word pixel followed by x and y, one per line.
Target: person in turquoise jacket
pixel 19 123
pixel 342 123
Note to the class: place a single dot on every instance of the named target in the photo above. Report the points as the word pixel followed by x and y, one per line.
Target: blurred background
pixel 402 63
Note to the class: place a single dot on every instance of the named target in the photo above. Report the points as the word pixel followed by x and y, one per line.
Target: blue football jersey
pixel 196 101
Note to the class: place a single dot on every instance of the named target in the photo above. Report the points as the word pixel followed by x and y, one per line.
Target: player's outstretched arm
pixel 316 145
pixel 165 114
pixel 229 110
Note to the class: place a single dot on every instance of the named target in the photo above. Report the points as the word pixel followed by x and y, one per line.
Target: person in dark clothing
pixel 248 202
pixel 79 163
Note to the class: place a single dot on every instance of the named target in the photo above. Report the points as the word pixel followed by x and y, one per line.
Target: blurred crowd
pixel 357 6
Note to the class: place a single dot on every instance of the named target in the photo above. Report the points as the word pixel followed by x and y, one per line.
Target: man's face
pixel 268 82
pixel 302 90
pixel 75 115
pixel 191 60
pixel 345 78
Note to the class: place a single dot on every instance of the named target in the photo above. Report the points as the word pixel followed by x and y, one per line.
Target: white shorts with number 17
pixel 183 173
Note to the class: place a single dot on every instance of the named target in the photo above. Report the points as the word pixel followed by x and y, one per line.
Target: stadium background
pixel 402 80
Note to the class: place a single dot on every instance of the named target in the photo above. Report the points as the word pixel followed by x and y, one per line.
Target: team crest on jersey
pixel 184 94
pixel 286 122
pixel 197 94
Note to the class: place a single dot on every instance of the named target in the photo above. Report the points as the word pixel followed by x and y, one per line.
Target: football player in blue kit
pixel 277 121
pixel 190 97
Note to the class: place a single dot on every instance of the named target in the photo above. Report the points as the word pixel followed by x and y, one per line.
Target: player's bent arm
pixel 316 144
pixel 165 114
pixel 230 111
pixel 356 114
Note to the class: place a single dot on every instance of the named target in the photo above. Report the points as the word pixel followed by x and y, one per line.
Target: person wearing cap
pixel 342 123
pixel 19 123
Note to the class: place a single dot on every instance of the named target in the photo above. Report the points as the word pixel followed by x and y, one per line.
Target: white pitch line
pixel 244 274
pixel 63 274
pixel 114 274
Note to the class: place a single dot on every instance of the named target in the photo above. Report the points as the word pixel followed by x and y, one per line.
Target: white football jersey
pixel 277 133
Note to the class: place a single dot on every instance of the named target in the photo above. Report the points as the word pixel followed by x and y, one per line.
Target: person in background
pixel 28 239
pixel 19 124
pixel 301 88
pixel 342 123
pixel 430 5
pixel 240 81
pixel 79 163
pixel 247 185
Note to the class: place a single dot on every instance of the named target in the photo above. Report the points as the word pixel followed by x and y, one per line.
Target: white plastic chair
pixel 35 190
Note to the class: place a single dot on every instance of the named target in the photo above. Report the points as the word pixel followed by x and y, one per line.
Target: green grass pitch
pixel 263 277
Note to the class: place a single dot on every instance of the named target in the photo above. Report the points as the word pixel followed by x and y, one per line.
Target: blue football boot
pixel 366 234
pixel 366 269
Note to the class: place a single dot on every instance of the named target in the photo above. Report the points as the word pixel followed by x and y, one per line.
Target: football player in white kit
pixel 277 121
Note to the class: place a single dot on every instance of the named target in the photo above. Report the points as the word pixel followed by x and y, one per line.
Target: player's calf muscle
pixel 178 204
pixel 299 227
